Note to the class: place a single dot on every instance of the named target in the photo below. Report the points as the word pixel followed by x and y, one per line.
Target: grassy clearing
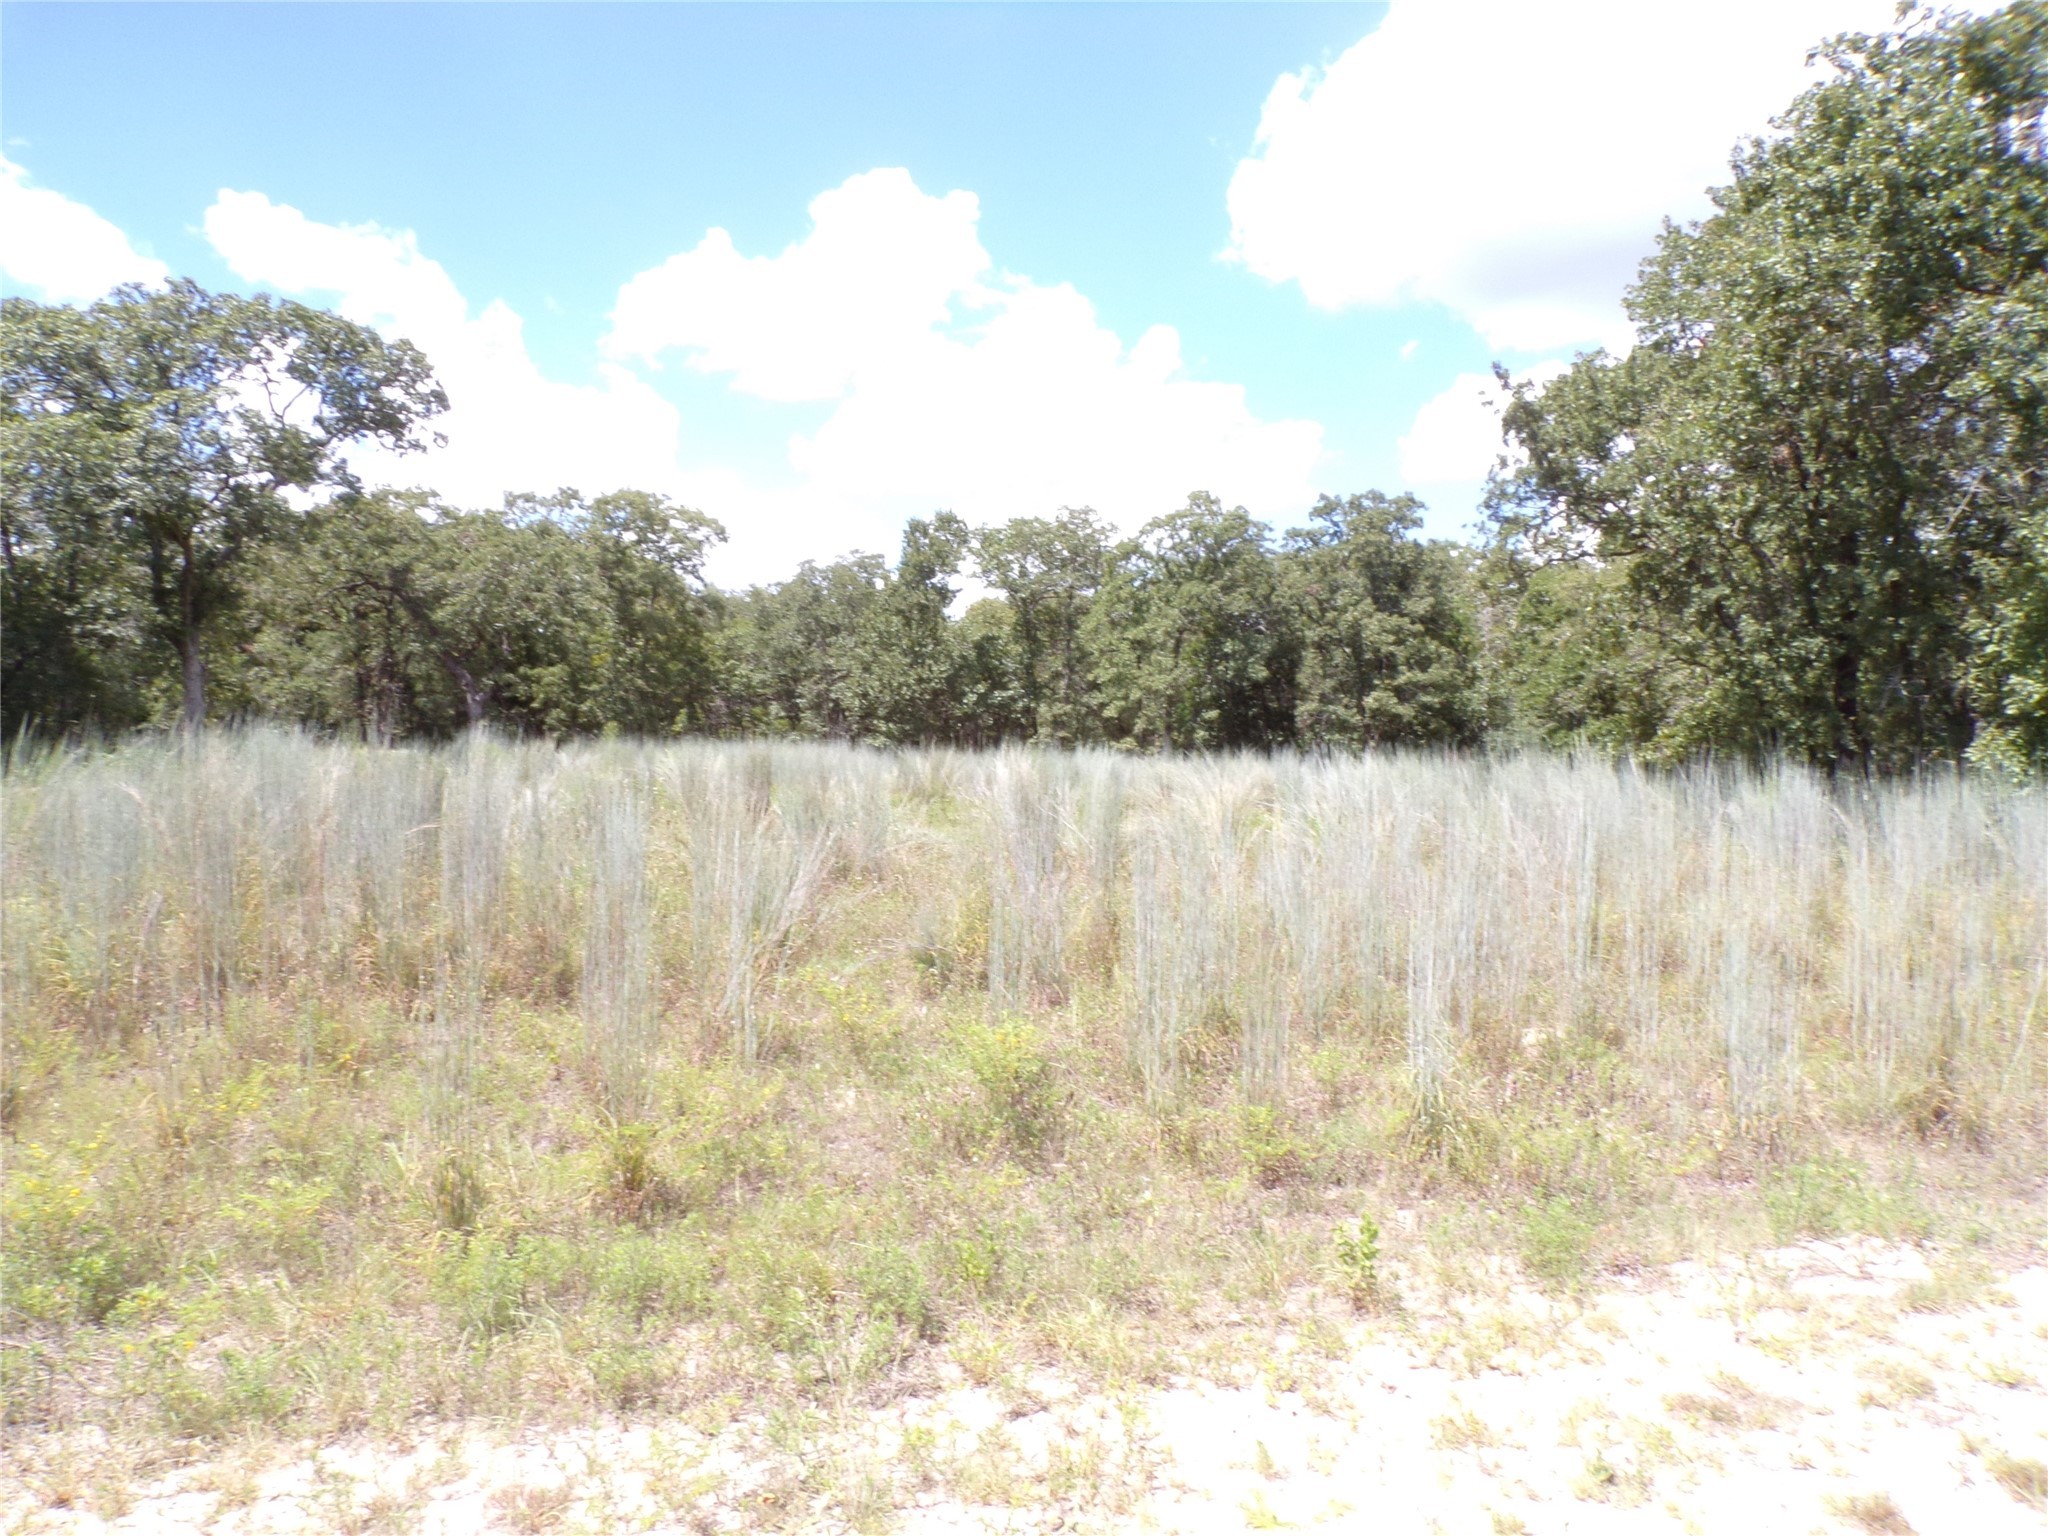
pixel 345 1087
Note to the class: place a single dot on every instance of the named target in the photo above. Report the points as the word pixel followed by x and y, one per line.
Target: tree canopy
pixel 150 440
pixel 1816 481
pixel 1806 513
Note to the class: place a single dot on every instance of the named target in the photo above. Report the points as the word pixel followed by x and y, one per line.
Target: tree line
pixel 1805 514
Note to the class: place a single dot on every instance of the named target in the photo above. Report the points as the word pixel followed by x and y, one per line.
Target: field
pixel 354 1090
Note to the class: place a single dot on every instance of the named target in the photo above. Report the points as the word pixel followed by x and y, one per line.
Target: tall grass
pixel 1723 929
pixel 348 1084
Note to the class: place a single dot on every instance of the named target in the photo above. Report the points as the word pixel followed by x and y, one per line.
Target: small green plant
pixel 241 1387
pixel 62 1259
pixel 1600 1481
pixel 1018 1098
pixel 483 1282
pixel 1358 1262
pixel 1951 1285
pixel 1823 1197
pixel 1894 1383
pixel 1273 1154
pixel 457 1192
pixel 1461 1431
pixel 1557 1241
pixel 632 1181
pixel 282 1221
pixel 1259 1515
pixel 2021 1476
pixel 1733 1405
pixel 978 1258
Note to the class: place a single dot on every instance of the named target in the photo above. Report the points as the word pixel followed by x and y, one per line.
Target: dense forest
pixel 1806 514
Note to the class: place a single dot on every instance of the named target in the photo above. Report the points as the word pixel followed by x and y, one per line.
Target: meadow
pixel 348 1087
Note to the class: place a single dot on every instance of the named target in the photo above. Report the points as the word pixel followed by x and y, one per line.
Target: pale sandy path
pixel 1799 1391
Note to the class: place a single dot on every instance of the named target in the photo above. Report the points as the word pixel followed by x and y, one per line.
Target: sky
pixel 813 269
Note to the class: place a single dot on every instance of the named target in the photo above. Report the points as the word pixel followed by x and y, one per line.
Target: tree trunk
pixel 473 693
pixel 191 659
pixel 1852 742
pixel 192 667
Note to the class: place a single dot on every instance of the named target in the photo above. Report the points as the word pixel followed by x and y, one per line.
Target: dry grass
pixel 345 1087
pixel 1894 1383
pixel 1733 1405
pixel 2021 1476
pixel 1873 1512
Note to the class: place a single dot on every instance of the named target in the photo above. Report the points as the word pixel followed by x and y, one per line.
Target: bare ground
pixel 1828 1387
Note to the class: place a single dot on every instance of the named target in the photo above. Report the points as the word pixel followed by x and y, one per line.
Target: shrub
pixel 457 1193
pixel 482 1281
pixel 1827 1196
pixel 283 1219
pixel 1274 1155
pixel 206 1400
pixel 1557 1240
pixel 632 1184
pixel 1358 1261
pixel 1018 1101
pixel 61 1259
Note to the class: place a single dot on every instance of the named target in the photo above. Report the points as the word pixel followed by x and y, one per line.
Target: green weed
pixel 1358 1261
pixel 1274 1154
pixel 1828 1196
pixel 62 1259
pixel 1018 1100
pixel 482 1281
pixel 456 1193
pixel 1557 1242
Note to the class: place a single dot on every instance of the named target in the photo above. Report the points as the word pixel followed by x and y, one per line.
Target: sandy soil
pixel 1830 1387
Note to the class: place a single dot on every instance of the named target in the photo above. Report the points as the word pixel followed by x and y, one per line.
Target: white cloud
pixel 1456 435
pixel 882 264
pixel 1512 161
pixel 61 250
pixel 950 385
pixel 953 385
pixel 508 427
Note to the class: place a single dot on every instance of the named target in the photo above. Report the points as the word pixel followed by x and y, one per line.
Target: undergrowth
pixel 351 1121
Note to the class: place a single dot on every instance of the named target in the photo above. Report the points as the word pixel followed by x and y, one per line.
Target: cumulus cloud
pixel 1512 161
pixel 949 384
pixel 60 251
pixel 882 264
pixel 1455 436
pixel 953 384
pixel 508 427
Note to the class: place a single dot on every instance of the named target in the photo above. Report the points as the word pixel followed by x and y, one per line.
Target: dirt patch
pixel 1829 1386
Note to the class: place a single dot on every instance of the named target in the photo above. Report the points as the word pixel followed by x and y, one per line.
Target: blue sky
pixel 993 257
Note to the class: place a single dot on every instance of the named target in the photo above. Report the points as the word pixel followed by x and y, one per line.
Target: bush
pixel 1358 1261
pixel 458 1193
pixel 632 1184
pixel 1827 1196
pixel 482 1281
pixel 1274 1155
pixel 61 1259
pixel 282 1221
pixel 646 1276
pixel 1017 1099
pixel 1557 1242
pixel 205 1401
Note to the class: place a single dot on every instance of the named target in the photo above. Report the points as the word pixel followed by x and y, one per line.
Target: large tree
pixel 166 429
pixel 649 552
pixel 853 648
pixel 1389 651
pixel 1815 473
pixel 1190 637
pixel 394 615
pixel 1048 570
